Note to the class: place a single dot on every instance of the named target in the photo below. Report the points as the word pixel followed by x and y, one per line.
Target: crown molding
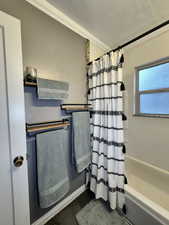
pixel 56 14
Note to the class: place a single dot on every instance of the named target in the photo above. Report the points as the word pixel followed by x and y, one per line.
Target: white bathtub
pixel 147 193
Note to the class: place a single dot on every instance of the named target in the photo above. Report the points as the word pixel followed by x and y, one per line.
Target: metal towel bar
pixel 46 126
pixel 76 107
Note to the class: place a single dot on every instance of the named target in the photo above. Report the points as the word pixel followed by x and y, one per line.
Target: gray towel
pixel 51 89
pixel 53 181
pixel 81 140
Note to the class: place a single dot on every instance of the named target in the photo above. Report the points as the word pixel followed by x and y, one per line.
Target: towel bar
pixel 46 126
pixel 30 84
pixel 76 107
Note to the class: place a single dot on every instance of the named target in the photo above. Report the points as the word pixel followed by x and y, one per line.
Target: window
pixel 152 89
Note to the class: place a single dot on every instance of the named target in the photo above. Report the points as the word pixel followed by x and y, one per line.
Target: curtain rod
pixel 135 39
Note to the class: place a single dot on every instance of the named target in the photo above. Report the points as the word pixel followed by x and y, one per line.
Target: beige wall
pixel 95 51
pixel 57 52
pixel 147 138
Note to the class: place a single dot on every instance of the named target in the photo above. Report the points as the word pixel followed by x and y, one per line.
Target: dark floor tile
pixel 85 198
pixel 68 215
pixel 53 222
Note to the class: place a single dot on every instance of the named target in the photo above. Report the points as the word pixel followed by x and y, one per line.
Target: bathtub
pixel 147 193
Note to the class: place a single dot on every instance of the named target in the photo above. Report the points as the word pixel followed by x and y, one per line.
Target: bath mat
pixel 96 213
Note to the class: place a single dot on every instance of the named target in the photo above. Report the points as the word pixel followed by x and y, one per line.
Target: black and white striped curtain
pixel 105 95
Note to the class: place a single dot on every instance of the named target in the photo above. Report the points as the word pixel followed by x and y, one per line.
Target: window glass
pixel 154 77
pixel 156 103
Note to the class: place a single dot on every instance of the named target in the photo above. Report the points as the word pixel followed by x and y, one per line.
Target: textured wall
pixel 44 110
pixel 57 53
pixel 147 138
pixel 95 51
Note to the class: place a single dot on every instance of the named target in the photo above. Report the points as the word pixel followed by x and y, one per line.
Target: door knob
pixel 18 161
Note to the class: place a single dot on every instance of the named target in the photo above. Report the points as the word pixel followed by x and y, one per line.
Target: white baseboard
pixel 151 208
pixel 60 206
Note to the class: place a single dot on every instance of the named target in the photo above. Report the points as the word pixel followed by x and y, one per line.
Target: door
pixel 14 196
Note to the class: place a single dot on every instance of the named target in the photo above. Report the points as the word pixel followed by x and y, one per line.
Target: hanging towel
pixel 53 182
pixel 51 89
pixel 81 140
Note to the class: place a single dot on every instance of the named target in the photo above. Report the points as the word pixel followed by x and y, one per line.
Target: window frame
pixel 137 92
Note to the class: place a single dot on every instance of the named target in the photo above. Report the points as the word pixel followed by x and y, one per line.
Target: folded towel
pixel 53 181
pixel 81 140
pixel 51 89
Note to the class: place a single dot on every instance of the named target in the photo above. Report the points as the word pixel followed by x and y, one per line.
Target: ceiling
pixel 115 21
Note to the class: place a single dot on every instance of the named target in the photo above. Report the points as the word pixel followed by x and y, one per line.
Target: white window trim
pixel 137 92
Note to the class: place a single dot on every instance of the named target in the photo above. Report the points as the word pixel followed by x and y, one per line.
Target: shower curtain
pixel 106 97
